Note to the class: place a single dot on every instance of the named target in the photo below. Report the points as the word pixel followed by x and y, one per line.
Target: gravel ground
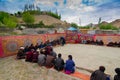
pixel 91 56
pixel 12 69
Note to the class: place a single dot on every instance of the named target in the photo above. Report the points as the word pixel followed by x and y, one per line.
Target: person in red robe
pixel 29 55
pixel 35 56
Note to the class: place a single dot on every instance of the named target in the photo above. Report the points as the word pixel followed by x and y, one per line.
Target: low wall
pixel 9 45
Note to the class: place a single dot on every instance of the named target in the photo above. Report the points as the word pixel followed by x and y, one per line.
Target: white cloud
pixel 74 9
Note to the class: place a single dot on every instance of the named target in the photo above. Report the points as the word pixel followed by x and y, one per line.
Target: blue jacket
pixel 69 66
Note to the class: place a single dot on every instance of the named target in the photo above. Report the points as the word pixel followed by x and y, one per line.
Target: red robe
pixel 29 56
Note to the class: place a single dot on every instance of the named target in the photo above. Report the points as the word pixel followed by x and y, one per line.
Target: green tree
pixel 74 25
pixel 108 27
pixel 2 15
pixel 28 18
pixel 9 22
pixel 0 23
pixel 85 27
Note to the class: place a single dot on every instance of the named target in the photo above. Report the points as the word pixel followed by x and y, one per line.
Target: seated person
pixel 70 65
pixel 99 74
pixel 59 63
pixel 53 53
pixel 101 43
pixel 119 44
pixel 47 50
pixel 110 44
pixel 21 54
pixel 41 58
pixel 49 61
pixel 117 76
pixel 29 55
pixel 35 56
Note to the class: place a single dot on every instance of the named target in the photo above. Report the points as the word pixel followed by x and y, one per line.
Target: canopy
pixel 72 29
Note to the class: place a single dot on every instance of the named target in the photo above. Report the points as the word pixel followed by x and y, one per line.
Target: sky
pixel 82 12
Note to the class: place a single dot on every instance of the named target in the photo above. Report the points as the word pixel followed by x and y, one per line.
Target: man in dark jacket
pixel 59 63
pixel 117 77
pixel 99 74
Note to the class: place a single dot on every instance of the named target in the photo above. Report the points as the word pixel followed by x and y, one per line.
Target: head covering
pixel 21 47
pixel 38 50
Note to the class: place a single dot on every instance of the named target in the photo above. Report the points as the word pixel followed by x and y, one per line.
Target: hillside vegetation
pixel 30 18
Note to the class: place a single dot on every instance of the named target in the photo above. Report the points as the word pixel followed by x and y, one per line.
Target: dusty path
pixel 92 56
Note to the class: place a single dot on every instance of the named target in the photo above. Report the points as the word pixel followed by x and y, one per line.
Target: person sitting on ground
pixel 29 55
pixel 36 46
pixel 118 44
pixel 110 44
pixel 35 56
pixel 70 65
pixel 21 54
pixel 117 77
pixel 48 49
pixel 49 61
pixel 41 58
pixel 53 53
pixel 41 45
pixel 99 74
pixel 26 49
pixel 59 63
pixel 31 47
pixel 101 43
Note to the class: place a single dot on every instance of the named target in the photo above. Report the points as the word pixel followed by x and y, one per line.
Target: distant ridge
pixel 116 23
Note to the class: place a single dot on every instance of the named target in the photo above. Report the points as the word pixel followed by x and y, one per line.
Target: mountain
pixel 104 23
pixel 116 23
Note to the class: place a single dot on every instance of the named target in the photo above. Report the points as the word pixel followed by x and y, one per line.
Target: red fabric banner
pixel 1 49
pixel 9 45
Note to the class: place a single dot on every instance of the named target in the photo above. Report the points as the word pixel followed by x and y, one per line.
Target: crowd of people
pixel 114 44
pixel 44 55
pixel 101 43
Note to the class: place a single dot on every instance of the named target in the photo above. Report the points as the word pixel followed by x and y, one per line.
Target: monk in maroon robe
pixel 29 55
pixel 35 57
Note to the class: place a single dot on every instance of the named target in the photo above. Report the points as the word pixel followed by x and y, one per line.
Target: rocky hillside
pixel 47 20
pixel 116 23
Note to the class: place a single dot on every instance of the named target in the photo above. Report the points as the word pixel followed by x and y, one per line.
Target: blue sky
pixel 81 12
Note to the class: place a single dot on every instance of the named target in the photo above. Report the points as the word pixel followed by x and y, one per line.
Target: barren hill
pixel 48 20
pixel 104 23
pixel 116 23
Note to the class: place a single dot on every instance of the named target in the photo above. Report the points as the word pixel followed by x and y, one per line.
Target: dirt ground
pixel 12 69
pixel 92 56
